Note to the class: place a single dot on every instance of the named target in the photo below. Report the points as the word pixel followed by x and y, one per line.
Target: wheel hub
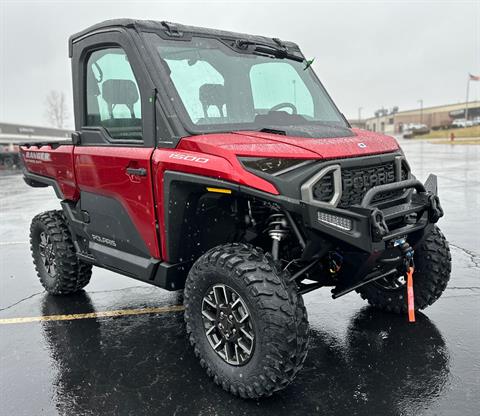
pixel 47 253
pixel 227 323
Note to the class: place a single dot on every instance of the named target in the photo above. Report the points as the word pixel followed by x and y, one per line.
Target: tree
pixel 56 111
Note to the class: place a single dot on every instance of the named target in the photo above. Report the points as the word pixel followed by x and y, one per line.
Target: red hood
pixel 258 144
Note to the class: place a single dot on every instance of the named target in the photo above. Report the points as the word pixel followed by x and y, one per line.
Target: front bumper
pixel 370 226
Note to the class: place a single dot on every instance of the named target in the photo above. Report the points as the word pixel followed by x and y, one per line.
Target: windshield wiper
pixel 265 49
pixel 273 131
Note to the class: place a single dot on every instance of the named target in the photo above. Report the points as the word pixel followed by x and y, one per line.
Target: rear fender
pixel 50 165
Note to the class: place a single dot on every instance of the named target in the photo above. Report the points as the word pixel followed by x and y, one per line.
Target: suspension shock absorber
pixel 277 230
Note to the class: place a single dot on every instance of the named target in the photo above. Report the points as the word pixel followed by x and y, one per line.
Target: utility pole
pixel 421 111
pixel 360 113
pixel 466 100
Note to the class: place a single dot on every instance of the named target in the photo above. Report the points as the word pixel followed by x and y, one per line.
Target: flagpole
pixel 466 103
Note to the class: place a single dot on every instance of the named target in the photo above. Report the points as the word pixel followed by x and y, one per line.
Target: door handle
pixel 137 171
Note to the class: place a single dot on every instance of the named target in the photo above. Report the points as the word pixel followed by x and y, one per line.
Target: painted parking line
pixel 92 315
pixel 13 243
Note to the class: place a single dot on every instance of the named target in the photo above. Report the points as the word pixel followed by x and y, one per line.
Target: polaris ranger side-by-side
pixel 216 163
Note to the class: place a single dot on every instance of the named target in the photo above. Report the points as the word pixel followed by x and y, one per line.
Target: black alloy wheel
pixel 228 324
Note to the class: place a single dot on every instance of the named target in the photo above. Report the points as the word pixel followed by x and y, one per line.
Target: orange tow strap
pixel 410 299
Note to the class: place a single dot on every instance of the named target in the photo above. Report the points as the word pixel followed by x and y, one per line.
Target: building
pixel 357 123
pixel 13 134
pixel 393 122
pixel 20 133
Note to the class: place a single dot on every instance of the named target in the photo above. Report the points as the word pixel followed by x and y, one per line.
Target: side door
pixel 114 112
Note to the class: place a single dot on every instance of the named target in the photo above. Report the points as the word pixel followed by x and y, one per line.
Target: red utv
pixel 216 163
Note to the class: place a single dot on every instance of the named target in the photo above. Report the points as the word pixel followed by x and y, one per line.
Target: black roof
pixel 167 27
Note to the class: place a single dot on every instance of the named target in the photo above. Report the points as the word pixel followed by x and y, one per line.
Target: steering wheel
pixel 284 105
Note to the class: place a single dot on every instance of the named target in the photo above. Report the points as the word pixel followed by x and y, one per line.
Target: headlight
pixel 272 166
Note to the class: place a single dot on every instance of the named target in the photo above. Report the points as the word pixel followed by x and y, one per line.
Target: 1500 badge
pixel 189 158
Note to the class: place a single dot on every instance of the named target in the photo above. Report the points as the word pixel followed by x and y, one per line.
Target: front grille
pixel 356 182
pixel 324 189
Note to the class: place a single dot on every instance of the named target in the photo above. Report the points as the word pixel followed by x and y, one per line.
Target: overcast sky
pixel 368 54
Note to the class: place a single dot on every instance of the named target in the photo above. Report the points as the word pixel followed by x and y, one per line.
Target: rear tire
pixel 58 268
pixel 432 273
pixel 277 319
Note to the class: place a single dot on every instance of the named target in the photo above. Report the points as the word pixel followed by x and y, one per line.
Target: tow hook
pixel 379 226
pixel 435 211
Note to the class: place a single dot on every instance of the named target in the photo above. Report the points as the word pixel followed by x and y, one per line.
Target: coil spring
pixel 277 226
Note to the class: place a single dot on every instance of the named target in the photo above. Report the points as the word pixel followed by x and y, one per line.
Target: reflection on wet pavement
pixel 382 365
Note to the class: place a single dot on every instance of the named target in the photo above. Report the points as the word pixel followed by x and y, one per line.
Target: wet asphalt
pixel 361 362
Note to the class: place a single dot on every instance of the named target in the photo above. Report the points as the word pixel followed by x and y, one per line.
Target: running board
pixel 154 271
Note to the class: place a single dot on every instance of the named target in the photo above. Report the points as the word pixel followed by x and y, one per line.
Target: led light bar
pixel 335 221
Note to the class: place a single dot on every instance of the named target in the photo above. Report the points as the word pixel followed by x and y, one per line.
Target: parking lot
pixel 137 362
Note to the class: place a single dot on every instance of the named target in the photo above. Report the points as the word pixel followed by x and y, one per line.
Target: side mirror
pixel 76 138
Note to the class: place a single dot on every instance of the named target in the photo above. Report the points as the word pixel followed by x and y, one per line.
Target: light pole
pixel 421 110
pixel 466 99
pixel 360 113
pixel 470 78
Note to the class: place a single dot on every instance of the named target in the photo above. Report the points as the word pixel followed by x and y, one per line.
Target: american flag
pixel 474 77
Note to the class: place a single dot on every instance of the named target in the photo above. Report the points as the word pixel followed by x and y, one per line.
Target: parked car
pixel 461 123
pixel 413 129
pixel 9 156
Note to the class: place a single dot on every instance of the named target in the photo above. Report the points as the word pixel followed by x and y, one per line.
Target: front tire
pixel 58 268
pixel 275 334
pixel 433 264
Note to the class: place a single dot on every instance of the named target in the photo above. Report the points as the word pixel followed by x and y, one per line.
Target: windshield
pixel 218 88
